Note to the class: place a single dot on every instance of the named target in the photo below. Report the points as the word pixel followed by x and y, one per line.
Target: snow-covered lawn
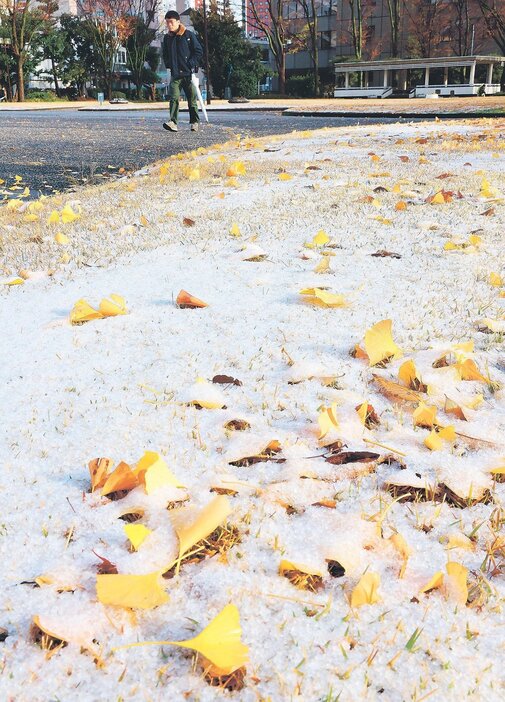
pixel 120 386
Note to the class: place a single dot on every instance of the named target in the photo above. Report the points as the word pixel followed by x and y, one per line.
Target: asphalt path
pixel 60 150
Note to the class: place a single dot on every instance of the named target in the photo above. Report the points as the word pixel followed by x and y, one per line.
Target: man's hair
pixel 172 14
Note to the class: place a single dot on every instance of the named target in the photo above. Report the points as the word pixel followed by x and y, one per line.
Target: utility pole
pixel 206 46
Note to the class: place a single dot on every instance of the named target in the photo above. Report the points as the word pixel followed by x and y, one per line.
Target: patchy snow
pixel 120 386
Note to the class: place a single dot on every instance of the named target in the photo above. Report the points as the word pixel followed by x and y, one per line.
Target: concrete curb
pixel 392 115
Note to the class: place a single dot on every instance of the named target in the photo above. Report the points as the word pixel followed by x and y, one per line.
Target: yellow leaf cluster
pixel 109 307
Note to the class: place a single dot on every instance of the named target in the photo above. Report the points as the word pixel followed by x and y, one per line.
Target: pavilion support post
pixel 386 77
pixel 446 75
pixel 472 74
pixel 427 76
pixel 489 77
pixel 346 79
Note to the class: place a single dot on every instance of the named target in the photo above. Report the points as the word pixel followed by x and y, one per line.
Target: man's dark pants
pixel 174 92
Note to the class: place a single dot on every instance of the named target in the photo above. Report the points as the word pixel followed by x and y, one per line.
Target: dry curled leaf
pixel 344 457
pixel 187 301
pixel 382 253
pixel 396 392
pixel 226 380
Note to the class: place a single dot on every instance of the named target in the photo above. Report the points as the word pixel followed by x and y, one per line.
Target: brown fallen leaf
pixel 224 491
pixel 98 471
pixel 448 495
pixel 237 425
pixel 382 253
pixel 488 213
pixel 187 301
pixel 3 634
pixel 226 380
pixel 396 392
pixel 444 175
pixel 105 567
pixel 188 222
pixel 335 569
pixel 344 457
pixel 268 454
pixel 330 504
pixel 404 159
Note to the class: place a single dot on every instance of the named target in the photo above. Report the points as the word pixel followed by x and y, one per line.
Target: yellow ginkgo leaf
pixel 435 440
pixel 83 312
pixel 13 281
pixel 236 169
pixel 235 230
pixel 68 215
pixel 137 534
pixel 495 280
pixel 14 204
pixel 459 540
pixel 220 643
pixel 232 183
pixel 451 407
pixel 327 420
pixel 438 199
pixel 436 582
pixel 323 298
pixel 61 238
pixel 366 591
pixel 31 218
pixel 468 371
pixel 403 550
pixel 486 190
pixel 456 582
pixel 194 174
pixel 208 519
pixel 286 566
pixel 155 473
pixel 323 266
pixel 407 373
pixel 379 344
pixel 321 238
pixel 424 416
pixel 98 472
pixel 114 306
pixel 285 176
pixel 205 395
pixel 121 478
pixel 131 591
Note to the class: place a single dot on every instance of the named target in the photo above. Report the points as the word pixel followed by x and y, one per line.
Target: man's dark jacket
pixel 182 52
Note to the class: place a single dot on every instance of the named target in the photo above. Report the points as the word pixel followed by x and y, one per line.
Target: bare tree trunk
pixel 20 78
pixel 356 9
pixel 55 78
pixel 395 17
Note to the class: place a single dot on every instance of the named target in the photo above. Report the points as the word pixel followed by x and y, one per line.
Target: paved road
pixel 59 150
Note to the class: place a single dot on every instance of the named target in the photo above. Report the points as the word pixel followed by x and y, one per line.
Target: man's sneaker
pixel 194 127
pixel 170 126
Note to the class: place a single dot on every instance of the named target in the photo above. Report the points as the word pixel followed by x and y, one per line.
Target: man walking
pixel 182 54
